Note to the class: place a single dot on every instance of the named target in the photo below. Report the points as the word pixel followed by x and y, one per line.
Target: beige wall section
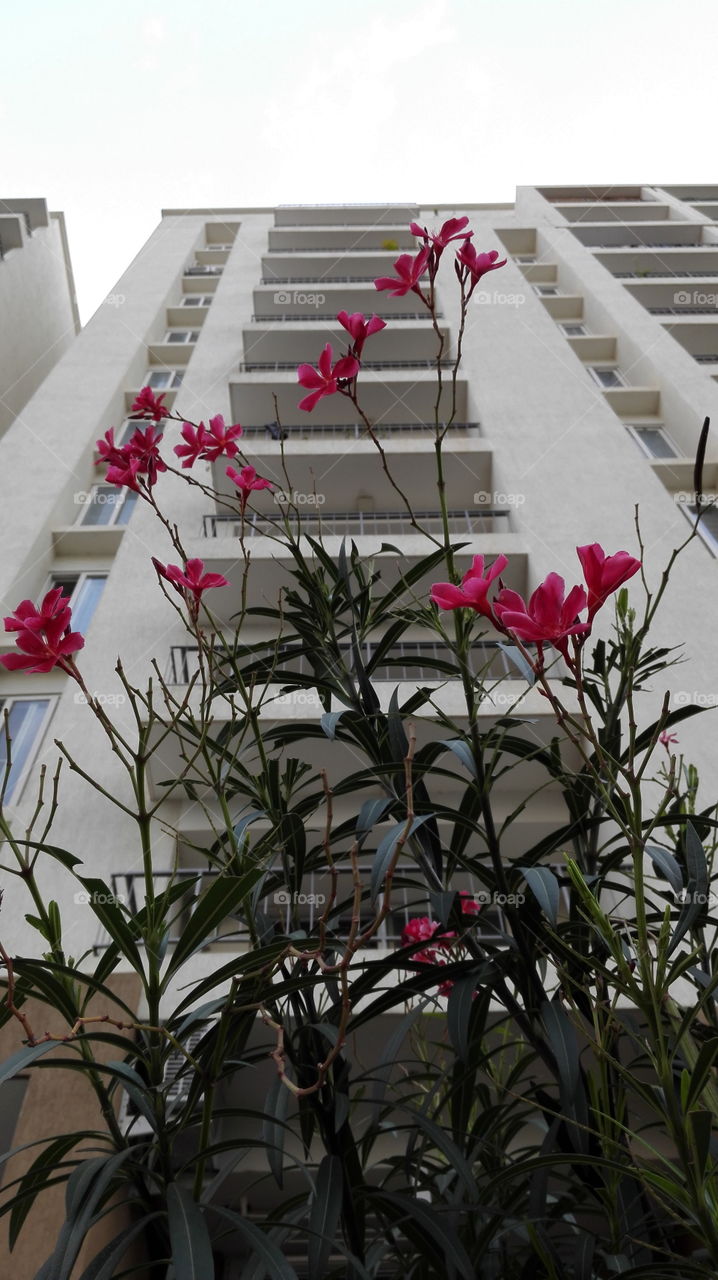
pixel 38 309
pixel 55 1102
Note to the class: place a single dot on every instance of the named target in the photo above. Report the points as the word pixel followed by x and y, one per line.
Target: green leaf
pixel 23 1058
pixel 385 851
pixel 696 891
pixel 458 1014
pixel 259 1243
pixel 221 899
pixel 562 1039
pixel 666 865
pixel 324 1215
pixel 102 902
pixel 700 1131
pixel 329 721
pixel 273 1128
pixel 189 1236
pixel 35 1179
pixel 104 1265
pixel 426 1228
pixel 544 886
pixel 462 751
pixel 136 1089
pixel 515 655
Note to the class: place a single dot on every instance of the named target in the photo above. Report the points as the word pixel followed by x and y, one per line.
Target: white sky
pixel 113 110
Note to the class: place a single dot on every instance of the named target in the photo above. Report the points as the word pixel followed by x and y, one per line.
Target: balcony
pixel 387 395
pixel 356 524
pixel 357 430
pixel 410 344
pixel 345 215
pixel 624 211
pixel 311 298
pixel 651 235
pixel 290 366
pixel 332 265
pixel 287 317
pixel 353 239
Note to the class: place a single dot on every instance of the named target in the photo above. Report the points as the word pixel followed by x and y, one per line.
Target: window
pixel 198 270
pixel 196 300
pixel 573 330
pixel 606 377
pixel 84 590
pixel 108 504
pixel 27 720
pixel 546 290
pixel 182 335
pixel 163 379
pixel 708 527
pixel 525 257
pixel 653 441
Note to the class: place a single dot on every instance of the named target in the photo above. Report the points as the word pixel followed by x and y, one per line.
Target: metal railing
pixel 650 244
pixel 283 366
pixel 662 275
pixel 352 430
pixel 406 660
pixel 278 908
pixel 317 279
pixel 258 317
pixel 683 311
pixel 357 523
pixel 337 248
pixel 706 359
pixel 203 271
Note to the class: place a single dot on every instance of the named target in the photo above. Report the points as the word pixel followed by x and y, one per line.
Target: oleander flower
pixel 604 574
pixel 325 379
pixel 191 582
pixel 548 618
pixel 359 328
pixel 148 405
pixel 208 443
pixel 471 266
pixel 473 592
pixel 409 271
pixel 43 636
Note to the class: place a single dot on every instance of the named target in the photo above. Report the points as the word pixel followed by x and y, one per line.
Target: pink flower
pixel 548 618
pixel 148 405
pixel 127 462
pixel 360 328
pixel 208 443
pixel 471 265
pixel 192 582
pixel 408 274
pixel 325 379
pixel 453 229
pixel 44 637
pixel 667 740
pixel 469 905
pixel 246 481
pixel 604 574
pixel 473 592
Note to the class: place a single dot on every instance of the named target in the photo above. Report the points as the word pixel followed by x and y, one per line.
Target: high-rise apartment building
pixel 590 362
pixel 38 309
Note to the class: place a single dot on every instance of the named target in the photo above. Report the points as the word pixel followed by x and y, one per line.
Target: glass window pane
pixel 176 336
pixel 159 378
pixel 127 507
pixel 85 601
pixel 655 443
pixel 101 508
pixel 25 720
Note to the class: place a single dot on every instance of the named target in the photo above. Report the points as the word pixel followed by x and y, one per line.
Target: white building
pixel 38 309
pixel 590 362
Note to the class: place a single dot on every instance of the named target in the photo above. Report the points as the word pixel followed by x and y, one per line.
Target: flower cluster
pixel 424 929
pixel 126 463
pixel 327 378
pixel 43 636
pixel 551 616
pixel 148 405
pixel 207 443
pixel 191 582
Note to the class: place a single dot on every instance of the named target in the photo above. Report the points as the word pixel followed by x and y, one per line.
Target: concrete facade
pixel 38 309
pixel 562 458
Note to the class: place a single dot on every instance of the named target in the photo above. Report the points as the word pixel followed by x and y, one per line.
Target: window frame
pixel 596 369
pixel 546 290
pixel 706 535
pixel 82 575
pixel 126 495
pixel 175 375
pixel 196 300
pixel 8 700
pixel 187 337
pixel 637 429
pixel 565 325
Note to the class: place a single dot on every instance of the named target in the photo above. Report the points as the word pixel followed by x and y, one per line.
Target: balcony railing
pixel 407 660
pixel 357 523
pixel 203 271
pixel 662 275
pixel 653 244
pixel 283 366
pixel 332 315
pixel 334 248
pixel 277 906
pixel 352 430
pixel 318 279
pixel 683 311
pixel 706 359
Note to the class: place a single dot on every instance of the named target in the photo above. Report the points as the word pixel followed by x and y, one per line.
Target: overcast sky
pixel 113 111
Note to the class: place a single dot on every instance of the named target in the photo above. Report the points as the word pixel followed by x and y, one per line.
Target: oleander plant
pixel 516 1081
